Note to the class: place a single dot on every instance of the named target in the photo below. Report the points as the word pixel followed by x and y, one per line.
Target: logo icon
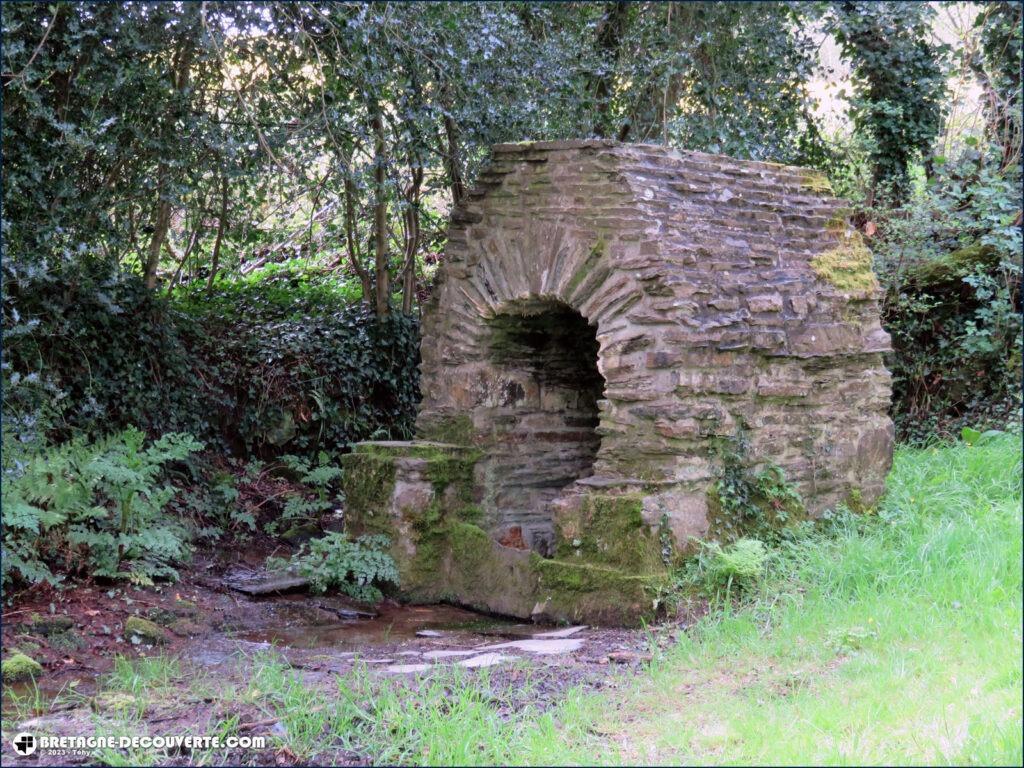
pixel 24 743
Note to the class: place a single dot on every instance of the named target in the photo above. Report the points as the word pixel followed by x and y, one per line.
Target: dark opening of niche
pixel 555 344
pixel 546 420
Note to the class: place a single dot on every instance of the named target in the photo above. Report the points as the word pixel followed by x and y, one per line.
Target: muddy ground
pixel 217 634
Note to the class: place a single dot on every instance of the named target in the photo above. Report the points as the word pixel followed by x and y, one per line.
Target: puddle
pixel 394 624
pixel 41 696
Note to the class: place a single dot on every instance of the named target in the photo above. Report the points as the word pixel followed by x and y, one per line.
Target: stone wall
pixel 611 320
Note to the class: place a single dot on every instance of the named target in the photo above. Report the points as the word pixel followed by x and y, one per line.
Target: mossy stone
pixel 609 529
pixel 144 629
pixel 18 667
pixel 49 625
pixel 596 594
pixel 848 266
pixel 456 430
pixel 953 266
pixel 817 182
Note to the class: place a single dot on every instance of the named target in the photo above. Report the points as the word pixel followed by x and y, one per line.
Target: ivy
pixel 756 504
pixel 898 84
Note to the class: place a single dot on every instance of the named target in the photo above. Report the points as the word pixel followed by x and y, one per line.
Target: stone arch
pixel 729 300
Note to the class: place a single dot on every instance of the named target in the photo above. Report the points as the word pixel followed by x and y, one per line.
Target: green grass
pixel 894 638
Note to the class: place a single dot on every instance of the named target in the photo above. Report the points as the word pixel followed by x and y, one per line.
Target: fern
pixel 319 477
pixel 355 568
pixel 96 507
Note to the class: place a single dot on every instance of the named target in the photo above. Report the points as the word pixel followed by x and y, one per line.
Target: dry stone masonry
pixel 612 325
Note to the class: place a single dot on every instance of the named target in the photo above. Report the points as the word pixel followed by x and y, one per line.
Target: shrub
pixel 281 364
pixel 94 508
pixel 87 350
pixel 949 261
pixel 287 367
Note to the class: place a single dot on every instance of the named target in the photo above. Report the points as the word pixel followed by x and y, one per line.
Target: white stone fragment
pixel 558 633
pixel 540 646
pixel 485 660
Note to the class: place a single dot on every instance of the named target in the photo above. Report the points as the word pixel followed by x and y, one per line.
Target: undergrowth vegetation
pixel 280 364
pixel 893 637
pixel 95 508
pixel 355 568
pixel 280 367
pixel 949 262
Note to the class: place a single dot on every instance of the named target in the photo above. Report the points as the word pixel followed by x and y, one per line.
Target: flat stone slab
pixel 408 669
pixel 257 583
pixel 541 646
pixel 485 660
pixel 448 654
pixel 560 633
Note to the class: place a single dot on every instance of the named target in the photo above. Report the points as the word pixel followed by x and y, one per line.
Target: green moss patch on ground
pixel 18 667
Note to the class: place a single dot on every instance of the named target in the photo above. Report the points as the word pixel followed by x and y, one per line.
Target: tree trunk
pixel 351 236
pixel 380 212
pixel 161 223
pixel 412 238
pixel 221 224
pixel 453 160
pixel 162 212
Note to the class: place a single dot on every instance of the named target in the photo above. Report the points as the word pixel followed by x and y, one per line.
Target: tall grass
pixel 892 638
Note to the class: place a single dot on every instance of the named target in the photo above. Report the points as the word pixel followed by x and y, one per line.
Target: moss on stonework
pixel 817 182
pixel 597 253
pixel 456 430
pixel 609 529
pixel 368 481
pixel 445 471
pixel 470 546
pixel 599 594
pixel 421 538
pixel 847 266
pixel 608 567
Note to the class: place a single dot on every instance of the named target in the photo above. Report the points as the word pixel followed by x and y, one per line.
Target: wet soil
pixel 215 633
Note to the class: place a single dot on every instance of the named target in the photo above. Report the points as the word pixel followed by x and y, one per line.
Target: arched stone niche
pixel 608 320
